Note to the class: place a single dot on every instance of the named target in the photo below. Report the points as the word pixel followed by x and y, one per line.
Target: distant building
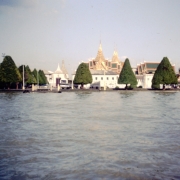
pixel 57 77
pixel 104 72
pixel 101 79
pixel 145 72
pixel 100 63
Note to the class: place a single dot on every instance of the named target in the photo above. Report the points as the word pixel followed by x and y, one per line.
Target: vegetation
pixel 36 75
pixel 28 75
pixel 40 77
pixel 83 75
pixel 43 79
pixel 127 76
pixel 164 75
pixel 12 77
pixel 9 73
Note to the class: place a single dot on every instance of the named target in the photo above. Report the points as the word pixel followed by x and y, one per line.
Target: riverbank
pixel 83 90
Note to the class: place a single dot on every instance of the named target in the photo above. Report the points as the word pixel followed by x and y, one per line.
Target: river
pixel 90 135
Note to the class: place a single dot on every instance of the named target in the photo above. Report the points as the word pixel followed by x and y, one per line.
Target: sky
pixel 42 33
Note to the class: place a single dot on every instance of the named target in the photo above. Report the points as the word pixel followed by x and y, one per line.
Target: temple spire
pixel 64 70
pixel 115 57
pixel 58 70
pixel 100 47
pixel 99 60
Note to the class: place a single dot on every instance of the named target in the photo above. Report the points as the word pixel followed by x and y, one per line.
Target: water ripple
pixel 89 135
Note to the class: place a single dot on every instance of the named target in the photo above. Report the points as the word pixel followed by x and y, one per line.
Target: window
pixel 96 78
pixel 101 78
pixel 152 65
pixel 63 81
pixel 107 78
pixel 114 65
pixel 112 78
pixel 91 63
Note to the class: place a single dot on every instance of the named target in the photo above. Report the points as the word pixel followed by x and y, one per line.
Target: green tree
pixel 164 74
pixel 127 76
pixel 34 72
pixel 28 75
pixel 37 76
pixel 83 75
pixel 9 73
pixel 43 79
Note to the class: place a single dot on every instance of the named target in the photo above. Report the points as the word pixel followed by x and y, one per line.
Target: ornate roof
pixel 58 70
pixel 115 57
pixel 46 72
pixel 64 70
pixel 100 56
pixel 100 60
pixel 102 72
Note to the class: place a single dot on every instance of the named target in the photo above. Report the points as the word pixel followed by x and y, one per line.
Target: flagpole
pixel 23 77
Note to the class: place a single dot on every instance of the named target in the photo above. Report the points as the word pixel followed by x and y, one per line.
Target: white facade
pixel 110 81
pixel 145 80
pixel 57 77
pixel 101 78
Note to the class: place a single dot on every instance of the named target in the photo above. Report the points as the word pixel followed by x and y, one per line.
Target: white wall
pixel 147 81
pixel 101 80
pixel 52 79
pixel 144 80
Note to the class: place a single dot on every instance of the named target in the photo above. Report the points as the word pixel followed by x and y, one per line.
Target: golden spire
pixel 99 58
pixel 115 57
pixel 100 47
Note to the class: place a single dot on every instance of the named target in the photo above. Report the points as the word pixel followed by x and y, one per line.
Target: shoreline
pixel 85 90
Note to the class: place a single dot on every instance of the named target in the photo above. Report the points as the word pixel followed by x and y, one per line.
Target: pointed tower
pixel 116 64
pixel 64 70
pixel 100 60
pixel 115 57
pixel 58 70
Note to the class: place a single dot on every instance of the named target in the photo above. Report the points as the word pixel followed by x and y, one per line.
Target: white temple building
pixel 145 72
pixel 60 76
pixel 104 72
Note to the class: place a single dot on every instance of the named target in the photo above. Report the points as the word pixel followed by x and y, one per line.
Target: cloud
pixel 19 3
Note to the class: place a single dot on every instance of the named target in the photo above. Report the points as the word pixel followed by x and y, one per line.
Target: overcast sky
pixel 42 33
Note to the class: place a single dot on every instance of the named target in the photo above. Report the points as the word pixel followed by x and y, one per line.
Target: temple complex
pixel 100 63
pixel 104 72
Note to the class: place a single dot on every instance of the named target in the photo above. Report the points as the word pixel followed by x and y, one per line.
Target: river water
pixel 90 135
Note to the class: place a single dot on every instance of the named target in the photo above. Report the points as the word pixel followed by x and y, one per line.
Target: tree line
pixel 164 75
pixel 11 76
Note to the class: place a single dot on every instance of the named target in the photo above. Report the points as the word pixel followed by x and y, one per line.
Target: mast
pixel 23 78
pixel 37 80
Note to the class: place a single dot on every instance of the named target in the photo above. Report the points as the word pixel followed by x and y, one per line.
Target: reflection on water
pixel 89 135
pixel 126 94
